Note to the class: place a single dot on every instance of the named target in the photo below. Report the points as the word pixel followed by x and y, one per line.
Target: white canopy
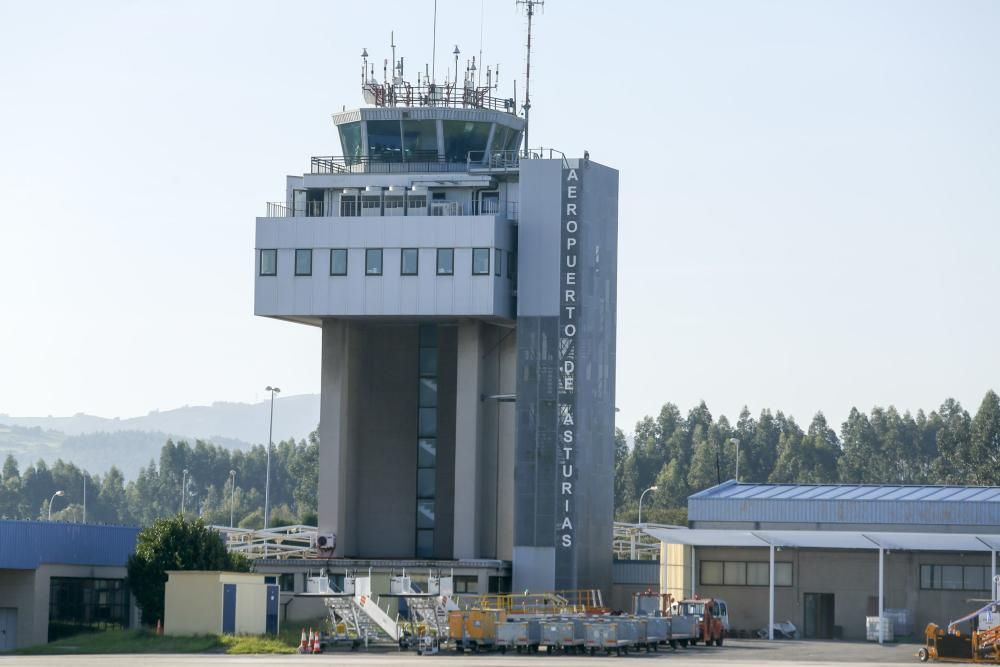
pixel 825 539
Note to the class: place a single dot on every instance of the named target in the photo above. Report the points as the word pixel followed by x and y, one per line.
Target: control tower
pixel 466 288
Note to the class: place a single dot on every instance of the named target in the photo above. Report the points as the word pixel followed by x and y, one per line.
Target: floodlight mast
pixel 529 6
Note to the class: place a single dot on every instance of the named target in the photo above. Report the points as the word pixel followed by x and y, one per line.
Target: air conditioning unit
pixel 326 543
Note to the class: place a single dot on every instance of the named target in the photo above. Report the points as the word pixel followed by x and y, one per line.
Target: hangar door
pixel 8 628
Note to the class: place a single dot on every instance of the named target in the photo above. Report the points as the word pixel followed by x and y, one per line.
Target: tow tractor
pixel 712 615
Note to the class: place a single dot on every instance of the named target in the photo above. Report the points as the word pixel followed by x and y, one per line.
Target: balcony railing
pixel 391 163
pixel 389 205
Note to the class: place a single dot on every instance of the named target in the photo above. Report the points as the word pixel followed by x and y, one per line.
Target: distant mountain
pixel 294 417
pixel 97 443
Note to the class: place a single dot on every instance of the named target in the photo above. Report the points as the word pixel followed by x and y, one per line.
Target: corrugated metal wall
pixel 26 544
pixel 638 572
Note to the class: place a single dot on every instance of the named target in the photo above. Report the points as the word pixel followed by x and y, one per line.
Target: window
pixel 955 577
pixel 497 261
pixel 711 573
pixel 269 262
pixel 740 573
pixel 445 261
pixel 466 583
pixel 338 261
pixel 735 574
pixel 350 141
pixel 461 137
pixel 757 574
pixel 480 261
pixel 385 141
pixel 511 265
pixel 408 261
pixel 286 582
pixel 78 604
pixel 304 262
pixel 373 261
pixel 427 399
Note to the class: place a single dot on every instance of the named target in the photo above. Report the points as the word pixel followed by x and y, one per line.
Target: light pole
pixel 52 500
pixel 652 488
pixel 736 441
pixel 184 479
pixel 232 496
pixel 267 475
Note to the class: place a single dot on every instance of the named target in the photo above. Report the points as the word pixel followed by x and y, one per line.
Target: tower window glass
pixel 269 262
pixel 461 137
pixel 480 261
pixel 497 261
pixel 338 261
pixel 420 140
pixel 385 143
pixel 408 261
pixel 350 141
pixel 445 261
pixel 373 261
pixel 304 262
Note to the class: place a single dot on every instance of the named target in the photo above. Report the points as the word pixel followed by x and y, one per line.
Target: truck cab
pixel 712 615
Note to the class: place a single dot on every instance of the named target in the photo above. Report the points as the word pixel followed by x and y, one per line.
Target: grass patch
pixel 244 644
pixel 147 641
pixel 125 641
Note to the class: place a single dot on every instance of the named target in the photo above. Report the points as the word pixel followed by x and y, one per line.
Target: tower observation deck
pixel 465 289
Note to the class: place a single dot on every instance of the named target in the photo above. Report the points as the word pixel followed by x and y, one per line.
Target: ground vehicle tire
pixel 684 643
pixel 693 641
pixel 673 644
pixel 718 642
pixel 503 650
pixel 923 655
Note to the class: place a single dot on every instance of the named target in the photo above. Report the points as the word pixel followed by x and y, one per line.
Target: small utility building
pixel 838 553
pixel 58 579
pixel 206 602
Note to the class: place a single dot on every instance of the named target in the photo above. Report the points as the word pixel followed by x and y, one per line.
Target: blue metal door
pixel 229 609
pixel 273 598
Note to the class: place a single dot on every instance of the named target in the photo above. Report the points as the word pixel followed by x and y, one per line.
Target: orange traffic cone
pixel 303 646
pixel 316 648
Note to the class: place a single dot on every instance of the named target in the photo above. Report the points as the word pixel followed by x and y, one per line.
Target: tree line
pixel 157 490
pixel 682 455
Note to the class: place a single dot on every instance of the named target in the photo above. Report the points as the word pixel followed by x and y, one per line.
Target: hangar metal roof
pixel 818 539
pixel 869 504
pixel 24 545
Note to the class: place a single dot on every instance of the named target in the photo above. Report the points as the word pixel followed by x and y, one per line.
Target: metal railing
pixel 405 94
pixel 377 206
pixel 386 163
pixel 309 209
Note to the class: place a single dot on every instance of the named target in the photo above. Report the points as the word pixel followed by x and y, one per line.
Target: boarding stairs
pixel 360 612
pixel 427 608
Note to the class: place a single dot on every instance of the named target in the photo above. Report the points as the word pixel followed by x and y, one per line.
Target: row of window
pixel 741 573
pixel 409 262
pixel 955 577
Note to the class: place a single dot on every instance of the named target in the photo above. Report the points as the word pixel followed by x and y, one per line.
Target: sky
pixel 808 210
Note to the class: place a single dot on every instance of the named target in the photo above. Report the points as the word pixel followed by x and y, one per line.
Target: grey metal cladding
pixel 538 238
pixel 890 505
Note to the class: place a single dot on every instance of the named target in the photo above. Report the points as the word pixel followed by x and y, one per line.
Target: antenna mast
pixel 529 6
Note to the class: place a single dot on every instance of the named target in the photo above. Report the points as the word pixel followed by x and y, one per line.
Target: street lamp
pixel 52 500
pixel 267 476
pixel 652 488
pixel 736 441
pixel 232 496
pixel 183 489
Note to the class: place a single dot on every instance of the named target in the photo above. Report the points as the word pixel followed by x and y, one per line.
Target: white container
pixel 873 627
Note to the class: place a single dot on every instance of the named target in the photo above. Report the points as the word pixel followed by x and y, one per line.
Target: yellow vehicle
pixel 980 643
pixel 474 629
